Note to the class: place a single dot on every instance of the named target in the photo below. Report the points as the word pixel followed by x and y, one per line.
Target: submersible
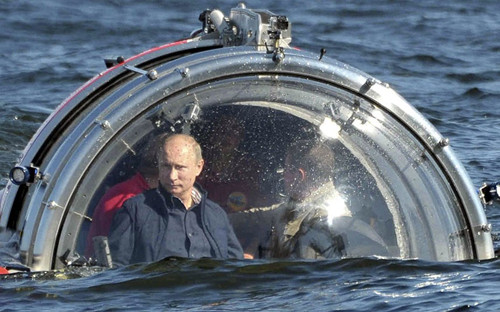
pixel 393 170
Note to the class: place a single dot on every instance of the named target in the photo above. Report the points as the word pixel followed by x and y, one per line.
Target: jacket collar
pixel 198 193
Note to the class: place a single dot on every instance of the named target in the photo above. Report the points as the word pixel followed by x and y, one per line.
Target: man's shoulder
pixel 213 206
pixel 143 206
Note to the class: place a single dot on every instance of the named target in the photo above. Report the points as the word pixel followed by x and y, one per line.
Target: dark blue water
pixel 443 57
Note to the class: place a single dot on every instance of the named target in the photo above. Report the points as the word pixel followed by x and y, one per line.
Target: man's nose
pixel 173 174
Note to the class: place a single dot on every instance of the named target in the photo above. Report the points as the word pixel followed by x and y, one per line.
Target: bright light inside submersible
pixel 329 129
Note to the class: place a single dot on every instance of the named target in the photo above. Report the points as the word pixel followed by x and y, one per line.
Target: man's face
pixel 178 167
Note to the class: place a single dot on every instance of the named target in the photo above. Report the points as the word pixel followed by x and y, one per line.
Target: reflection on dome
pixel 329 129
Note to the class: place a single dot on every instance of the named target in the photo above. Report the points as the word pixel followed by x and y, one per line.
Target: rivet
pixel 444 142
pixel 184 72
pixel 152 74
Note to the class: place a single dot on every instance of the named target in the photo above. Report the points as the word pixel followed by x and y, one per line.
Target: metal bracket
pixel 152 74
pixel 441 144
pixel 367 85
pixel 489 192
pixel 53 205
pixel 105 125
pixel 486 228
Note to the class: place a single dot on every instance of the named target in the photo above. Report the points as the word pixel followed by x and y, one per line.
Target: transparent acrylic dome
pixel 371 206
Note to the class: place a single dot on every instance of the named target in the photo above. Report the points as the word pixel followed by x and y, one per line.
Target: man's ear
pixel 200 166
pixel 302 174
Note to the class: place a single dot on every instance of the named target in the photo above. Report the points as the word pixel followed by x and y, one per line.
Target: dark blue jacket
pixel 138 229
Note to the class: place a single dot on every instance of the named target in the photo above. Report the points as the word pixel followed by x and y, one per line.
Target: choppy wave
pixel 201 285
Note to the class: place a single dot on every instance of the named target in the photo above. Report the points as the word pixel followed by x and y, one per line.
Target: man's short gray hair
pixel 165 138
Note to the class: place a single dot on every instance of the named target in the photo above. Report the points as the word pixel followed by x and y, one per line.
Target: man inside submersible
pixel 314 222
pixel 176 219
